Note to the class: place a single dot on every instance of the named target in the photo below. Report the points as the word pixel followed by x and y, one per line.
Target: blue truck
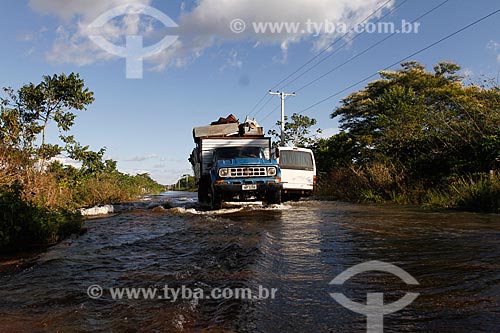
pixel 232 162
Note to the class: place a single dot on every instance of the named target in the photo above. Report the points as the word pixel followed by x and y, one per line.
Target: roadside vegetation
pixel 297 131
pixel 416 137
pixel 185 183
pixel 39 196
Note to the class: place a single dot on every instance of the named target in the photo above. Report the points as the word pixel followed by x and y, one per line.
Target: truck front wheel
pixel 273 197
pixel 203 192
pixel 215 200
pixel 202 195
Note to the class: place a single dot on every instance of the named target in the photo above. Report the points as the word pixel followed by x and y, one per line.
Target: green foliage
pixel 296 132
pixel 24 224
pixel 92 161
pixel 185 184
pixel 85 188
pixel 52 99
pixel 428 128
pixel 480 193
pixel 112 188
pixel 428 123
pixel 25 114
pixel 334 152
pixel 35 198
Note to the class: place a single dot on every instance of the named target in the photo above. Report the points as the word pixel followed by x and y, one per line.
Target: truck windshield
pixel 290 159
pixel 238 152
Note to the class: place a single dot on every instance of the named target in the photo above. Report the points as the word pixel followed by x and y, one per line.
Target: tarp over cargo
pixel 228 126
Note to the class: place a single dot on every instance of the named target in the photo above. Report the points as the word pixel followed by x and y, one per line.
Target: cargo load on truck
pixel 232 162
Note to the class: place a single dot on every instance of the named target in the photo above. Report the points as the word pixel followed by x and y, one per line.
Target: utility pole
pixel 282 96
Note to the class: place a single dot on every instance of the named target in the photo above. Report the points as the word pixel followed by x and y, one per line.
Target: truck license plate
pixel 249 187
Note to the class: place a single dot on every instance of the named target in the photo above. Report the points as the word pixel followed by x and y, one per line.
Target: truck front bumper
pixel 233 189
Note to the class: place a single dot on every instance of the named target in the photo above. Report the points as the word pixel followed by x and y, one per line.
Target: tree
pixel 335 152
pixel 428 123
pixel 24 117
pixel 53 99
pixel 27 113
pixel 296 131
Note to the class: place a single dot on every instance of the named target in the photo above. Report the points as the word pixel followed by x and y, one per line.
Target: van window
pixel 290 159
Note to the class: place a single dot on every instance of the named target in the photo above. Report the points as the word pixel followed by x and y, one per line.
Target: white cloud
pixel 209 23
pixel 67 161
pixel 205 25
pixel 141 158
pixel 74 47
pixel 30 51
pixel 233 60
pixel 86 9
pixel 72 43
pixel 493 45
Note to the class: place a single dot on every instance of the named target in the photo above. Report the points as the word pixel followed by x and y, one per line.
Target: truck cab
pixel 232 162
pixel 298 171
pixel 244 173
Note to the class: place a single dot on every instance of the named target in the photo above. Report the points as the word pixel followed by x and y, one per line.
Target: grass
pixel 39 208
pixel 24 224
pixel 382 184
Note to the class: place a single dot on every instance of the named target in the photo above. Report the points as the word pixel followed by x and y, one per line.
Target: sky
pixel 207 59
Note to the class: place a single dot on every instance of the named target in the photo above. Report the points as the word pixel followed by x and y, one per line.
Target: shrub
pixel 24 224
pixel 480 193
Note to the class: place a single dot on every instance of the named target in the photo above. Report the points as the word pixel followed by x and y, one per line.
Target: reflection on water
pixel 298 248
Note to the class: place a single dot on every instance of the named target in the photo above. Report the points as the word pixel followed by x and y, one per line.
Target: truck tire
pixel 273 197
pixel 215 201
pixel 203 192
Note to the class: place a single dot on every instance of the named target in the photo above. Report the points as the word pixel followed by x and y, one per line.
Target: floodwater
pixel 296 248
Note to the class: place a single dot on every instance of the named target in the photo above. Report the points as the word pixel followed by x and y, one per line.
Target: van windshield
pixel 290 159
pixel 238 152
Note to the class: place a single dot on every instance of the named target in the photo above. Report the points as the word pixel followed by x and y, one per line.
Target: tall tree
pixel 27 113
pixel 428 123
pixel 296 131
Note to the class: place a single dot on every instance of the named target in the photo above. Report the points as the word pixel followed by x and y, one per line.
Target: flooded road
pixel 296 248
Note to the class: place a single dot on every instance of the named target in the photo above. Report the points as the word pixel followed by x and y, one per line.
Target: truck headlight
pixel 223 172
pixel 271 171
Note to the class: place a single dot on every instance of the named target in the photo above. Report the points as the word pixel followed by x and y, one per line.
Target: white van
pixel 298 171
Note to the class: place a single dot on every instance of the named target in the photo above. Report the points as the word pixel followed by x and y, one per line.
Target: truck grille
pixel 248 172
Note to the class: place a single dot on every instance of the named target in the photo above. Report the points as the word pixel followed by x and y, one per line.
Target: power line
pixel 263 106
pixel 323 51
pixel 404 59
pixel 260 100
pixel 335 42
pixel 369 48
pixel 270 113
pixel 345 44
